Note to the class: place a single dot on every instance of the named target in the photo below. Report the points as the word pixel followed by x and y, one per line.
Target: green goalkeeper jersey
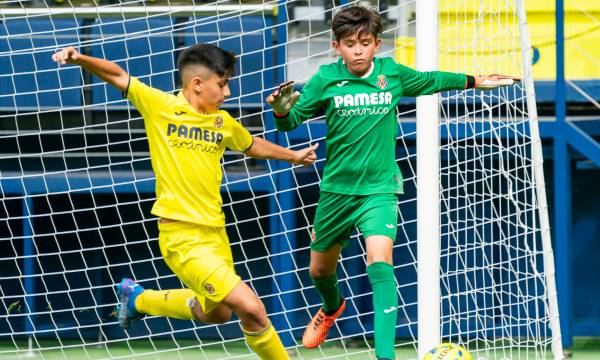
pixel 361 121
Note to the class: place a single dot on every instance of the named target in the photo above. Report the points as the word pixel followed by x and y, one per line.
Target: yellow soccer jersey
pixel 186 149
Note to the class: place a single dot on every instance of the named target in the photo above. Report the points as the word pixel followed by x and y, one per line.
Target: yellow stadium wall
pixel 456 43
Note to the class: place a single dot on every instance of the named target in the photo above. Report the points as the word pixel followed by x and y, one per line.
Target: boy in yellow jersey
pixel 188 134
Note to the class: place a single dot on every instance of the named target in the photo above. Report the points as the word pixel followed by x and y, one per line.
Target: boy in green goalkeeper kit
pixel 361 180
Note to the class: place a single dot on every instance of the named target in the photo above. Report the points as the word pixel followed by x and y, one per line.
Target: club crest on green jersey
pixel 381 81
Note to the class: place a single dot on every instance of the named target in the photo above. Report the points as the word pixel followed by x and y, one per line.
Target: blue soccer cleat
pixel 128 290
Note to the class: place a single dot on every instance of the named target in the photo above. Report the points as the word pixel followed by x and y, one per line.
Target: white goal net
pixel 77 187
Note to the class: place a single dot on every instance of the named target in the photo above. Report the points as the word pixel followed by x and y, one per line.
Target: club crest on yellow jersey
pixel 209 288
pixel 218 122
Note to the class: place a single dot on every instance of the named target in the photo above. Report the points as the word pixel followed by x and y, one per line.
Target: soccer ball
pixel 448 351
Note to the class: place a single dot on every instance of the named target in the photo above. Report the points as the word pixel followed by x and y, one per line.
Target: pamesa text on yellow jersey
pixel 185 150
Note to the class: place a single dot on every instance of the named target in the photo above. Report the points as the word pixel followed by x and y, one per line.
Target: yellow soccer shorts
pixel 201 258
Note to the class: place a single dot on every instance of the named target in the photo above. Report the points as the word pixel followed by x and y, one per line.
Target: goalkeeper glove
pixel 283 99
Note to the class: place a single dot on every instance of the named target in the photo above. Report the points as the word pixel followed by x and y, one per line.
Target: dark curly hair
pixel 356 20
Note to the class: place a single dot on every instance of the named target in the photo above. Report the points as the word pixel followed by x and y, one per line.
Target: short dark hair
pixel 356 20
pixel 212 57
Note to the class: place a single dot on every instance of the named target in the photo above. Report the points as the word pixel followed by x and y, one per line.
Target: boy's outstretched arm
pixel 104 69
pixel 416 83
pixel 263 149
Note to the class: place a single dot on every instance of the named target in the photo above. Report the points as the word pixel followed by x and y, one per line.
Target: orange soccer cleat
pixel 318 327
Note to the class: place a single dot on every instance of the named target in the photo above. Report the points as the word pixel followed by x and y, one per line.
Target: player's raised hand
pixel 494 81
pixel 68 55
pixel 306 156
pixel 282 100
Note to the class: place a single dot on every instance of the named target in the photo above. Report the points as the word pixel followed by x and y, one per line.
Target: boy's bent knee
pixel 247 306
pixel 221 316
pixel 374 258
pixel 320 272
pixel 252 310
pixel 379 249
pixel 253 315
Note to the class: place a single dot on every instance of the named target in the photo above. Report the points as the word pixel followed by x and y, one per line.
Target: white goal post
pixel 428 183
pixel 428 198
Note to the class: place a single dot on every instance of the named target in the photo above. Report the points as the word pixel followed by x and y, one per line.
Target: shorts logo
pixel 381 81
pixel 210 289
pixel 390 226
pixel 218 122
pixel 387 311
pixel 313 235
pixel 396 178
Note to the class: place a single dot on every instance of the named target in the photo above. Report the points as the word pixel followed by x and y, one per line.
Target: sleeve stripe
pixel 126 91
pixel 251 143
pixel 470 82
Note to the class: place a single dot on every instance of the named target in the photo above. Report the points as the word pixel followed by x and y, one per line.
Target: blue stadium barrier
pixel 29 77
pixel 143 47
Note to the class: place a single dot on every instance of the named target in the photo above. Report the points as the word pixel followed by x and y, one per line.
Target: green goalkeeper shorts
pixel 338 214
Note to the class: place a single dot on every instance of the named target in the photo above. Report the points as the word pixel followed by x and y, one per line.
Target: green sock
pixel 385 306
pixel 327 288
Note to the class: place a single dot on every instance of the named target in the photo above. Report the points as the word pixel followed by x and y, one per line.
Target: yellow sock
pixel 266 344
pixel 175 303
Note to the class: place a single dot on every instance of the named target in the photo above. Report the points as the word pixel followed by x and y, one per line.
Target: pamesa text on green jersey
pixel 361 121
